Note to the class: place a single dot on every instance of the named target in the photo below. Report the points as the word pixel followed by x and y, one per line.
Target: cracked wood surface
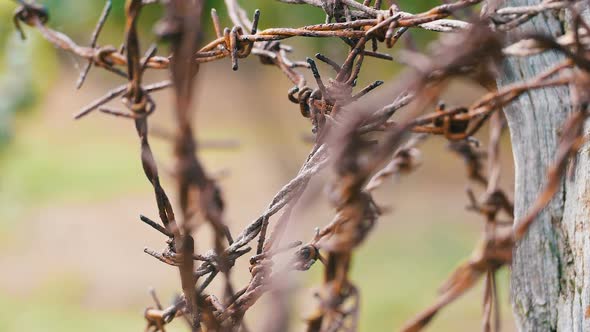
pixel 550 269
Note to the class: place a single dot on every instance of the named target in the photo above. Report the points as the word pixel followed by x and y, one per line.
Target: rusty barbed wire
pixel 340 124
pixel 494 249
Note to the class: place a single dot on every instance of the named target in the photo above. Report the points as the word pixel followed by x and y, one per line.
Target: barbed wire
pixel 340 120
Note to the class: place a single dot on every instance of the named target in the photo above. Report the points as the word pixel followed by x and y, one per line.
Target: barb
pixel 101 21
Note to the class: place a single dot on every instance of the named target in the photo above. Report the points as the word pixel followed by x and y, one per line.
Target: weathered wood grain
pixel 551 267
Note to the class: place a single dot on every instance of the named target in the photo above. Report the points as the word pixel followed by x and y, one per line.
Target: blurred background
pixel 71 243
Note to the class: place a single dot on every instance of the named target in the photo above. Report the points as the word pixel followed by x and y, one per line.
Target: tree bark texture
pixel 550 280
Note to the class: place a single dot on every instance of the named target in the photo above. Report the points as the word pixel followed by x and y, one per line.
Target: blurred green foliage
pixel 74 15
pixel 37 170
pixel 26 70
